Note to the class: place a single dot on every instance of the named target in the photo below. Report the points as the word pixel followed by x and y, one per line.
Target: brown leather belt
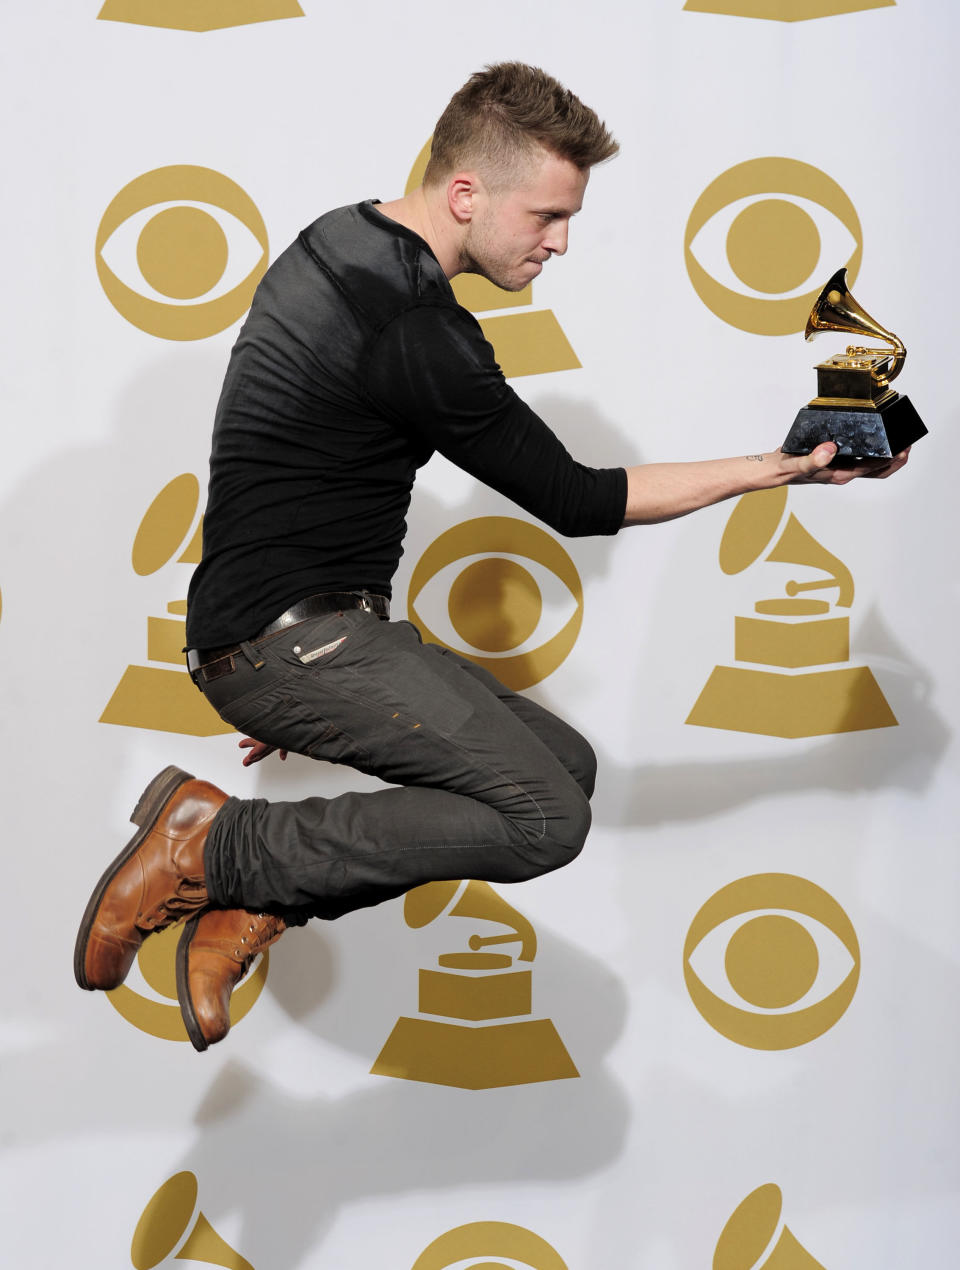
pixel 215 662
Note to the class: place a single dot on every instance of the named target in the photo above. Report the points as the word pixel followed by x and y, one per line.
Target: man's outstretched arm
pixel 664 491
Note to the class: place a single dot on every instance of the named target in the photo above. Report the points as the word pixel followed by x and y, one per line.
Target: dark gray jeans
pixel 488 784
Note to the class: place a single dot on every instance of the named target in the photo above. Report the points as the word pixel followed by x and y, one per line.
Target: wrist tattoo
pixel 754 458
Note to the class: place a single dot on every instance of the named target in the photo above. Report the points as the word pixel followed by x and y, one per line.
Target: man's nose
pixel 556 238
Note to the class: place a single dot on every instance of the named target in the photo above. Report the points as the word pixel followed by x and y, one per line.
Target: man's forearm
pixel 664 491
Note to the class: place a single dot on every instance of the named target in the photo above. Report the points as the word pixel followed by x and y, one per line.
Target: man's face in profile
pixel 515 230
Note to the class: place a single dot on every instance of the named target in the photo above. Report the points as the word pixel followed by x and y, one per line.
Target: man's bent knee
pixel 585 771
pixel 562 838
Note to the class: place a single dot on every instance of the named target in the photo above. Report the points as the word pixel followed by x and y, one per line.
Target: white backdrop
pixel 296 1154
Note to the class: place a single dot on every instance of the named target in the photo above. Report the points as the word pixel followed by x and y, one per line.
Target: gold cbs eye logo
pixel 149 1008
pixel 508 583
pixel 785 10
pixel 474 1247
pixel 767 225
pixel 797 940
pixel 197 270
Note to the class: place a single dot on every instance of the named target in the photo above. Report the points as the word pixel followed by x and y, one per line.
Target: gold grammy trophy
pixel 479 990
pixel 796 633
pixel 855 405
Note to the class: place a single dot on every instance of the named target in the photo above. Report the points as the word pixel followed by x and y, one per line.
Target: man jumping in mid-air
pixel 354 365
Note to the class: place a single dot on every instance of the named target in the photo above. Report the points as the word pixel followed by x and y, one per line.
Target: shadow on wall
pixel 289 1164
pixel 69 628
pixel 649 793
pixel 293 1163
pixel 652 794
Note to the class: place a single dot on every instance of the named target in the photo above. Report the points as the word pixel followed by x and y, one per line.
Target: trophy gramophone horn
pixel 425 903
pixel 796 545
pixel 837 310
pixel 749 1232
pixel 751 528
pixel 164 1221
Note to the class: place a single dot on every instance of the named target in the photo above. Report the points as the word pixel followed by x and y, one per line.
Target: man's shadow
pixel 649 793
pixel 555 1131
pixel 393 1137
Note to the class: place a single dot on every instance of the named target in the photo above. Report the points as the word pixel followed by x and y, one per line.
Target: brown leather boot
pixel 214 953
pixel 157 879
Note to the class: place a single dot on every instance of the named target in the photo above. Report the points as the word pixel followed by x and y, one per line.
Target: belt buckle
pixel 193 667
pixel 215 668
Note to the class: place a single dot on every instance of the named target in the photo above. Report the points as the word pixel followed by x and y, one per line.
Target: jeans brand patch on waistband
pixel 314 653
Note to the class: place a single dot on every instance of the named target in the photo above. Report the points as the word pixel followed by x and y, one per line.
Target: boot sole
pixel 187 1012
pixel 146 814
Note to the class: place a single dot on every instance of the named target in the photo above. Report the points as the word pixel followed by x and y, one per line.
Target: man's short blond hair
pixel 499 118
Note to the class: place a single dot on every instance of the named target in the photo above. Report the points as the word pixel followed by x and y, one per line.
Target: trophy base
pixel 489 1057
pixel 820 703
pixel 859 434
pixel 162 700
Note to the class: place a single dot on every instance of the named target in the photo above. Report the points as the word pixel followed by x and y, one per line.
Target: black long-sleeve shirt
pixel 354 365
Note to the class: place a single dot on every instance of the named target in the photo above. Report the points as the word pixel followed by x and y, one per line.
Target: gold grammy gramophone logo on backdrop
pixel 785 10
pixel 489 587
pixel 156 696
pixel 197 270
pixel 528 343
pixel 765 225
pixel 755 1237
pixel 796 633
pixel 164 1222
pixel 197 15
pixel 159 1014
pixel 783 976
pixel 489 1239
pixel 474 1029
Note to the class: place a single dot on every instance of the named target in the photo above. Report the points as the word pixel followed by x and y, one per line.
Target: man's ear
pixel 462 191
